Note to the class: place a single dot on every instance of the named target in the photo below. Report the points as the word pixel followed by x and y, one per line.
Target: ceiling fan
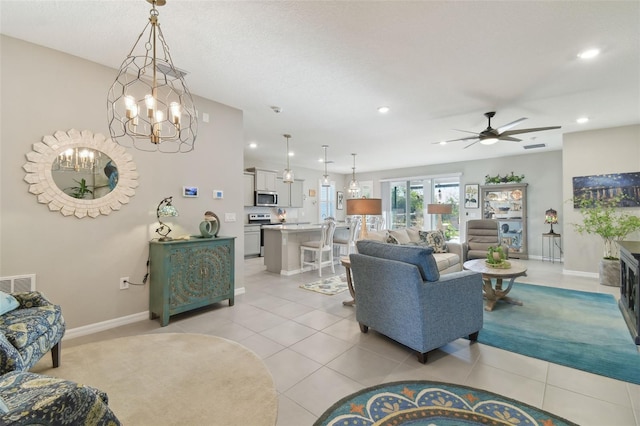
pixel 489 136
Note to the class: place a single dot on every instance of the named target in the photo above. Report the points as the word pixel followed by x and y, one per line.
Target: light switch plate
pixel 229 217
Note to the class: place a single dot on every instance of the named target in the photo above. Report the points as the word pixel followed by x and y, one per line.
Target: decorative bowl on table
pixel 503 264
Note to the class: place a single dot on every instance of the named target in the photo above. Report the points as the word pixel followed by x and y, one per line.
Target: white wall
pixel 78 261
pixel 596 152
pixel 543 173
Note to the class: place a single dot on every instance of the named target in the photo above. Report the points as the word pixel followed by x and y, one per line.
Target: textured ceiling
pixel 439 65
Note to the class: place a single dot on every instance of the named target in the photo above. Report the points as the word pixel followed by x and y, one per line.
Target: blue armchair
pixel 400 293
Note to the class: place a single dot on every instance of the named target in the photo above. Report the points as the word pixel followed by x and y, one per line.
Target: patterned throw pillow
pixel 435 240
pixel 391 239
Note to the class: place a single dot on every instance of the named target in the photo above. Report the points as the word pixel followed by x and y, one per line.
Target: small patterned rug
pixel 423 403
pixel 329 286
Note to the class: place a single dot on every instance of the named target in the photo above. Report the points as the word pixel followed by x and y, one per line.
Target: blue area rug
pixel 573 328
pixel 417 403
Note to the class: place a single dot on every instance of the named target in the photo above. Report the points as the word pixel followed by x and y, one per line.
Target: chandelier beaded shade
pixel 354 186
pixel 287 175
pixel 325 176
pixel 149 105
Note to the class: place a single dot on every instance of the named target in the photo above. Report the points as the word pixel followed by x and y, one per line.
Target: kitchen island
pixel 282 245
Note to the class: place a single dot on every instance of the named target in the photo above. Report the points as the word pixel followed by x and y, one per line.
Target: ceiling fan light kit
pixel 489 136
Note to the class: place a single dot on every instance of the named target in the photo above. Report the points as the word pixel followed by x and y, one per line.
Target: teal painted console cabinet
pixel 189 274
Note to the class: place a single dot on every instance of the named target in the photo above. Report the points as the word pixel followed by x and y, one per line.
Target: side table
pixel 551 240
pixel 346 262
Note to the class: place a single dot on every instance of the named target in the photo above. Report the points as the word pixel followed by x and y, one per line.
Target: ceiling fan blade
pixel 471 144
pixel 536 129
pixel 466 131
pixel 509 138
pixel 456 140
pixel 510 125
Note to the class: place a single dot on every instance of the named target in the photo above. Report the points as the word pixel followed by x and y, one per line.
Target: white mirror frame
pixel 41 183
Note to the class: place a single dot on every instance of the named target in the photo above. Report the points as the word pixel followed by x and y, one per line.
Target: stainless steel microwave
pixel 266 198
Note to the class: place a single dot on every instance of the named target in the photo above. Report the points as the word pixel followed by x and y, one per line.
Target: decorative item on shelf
pixel 325 176
pixel 165 209
pixel 287 175
pixel 354 186
pixel 551 217
pixel 512 178
pixel 210 226
pixel 439 210
pixel 364 207
pixel 496 258
pixel 282 215
pixel 149 105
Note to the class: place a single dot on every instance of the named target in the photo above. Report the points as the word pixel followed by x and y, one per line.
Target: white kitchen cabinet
pixel 266 180
pixel 251 240
pixel 290 194
pixel 296 197
pixel 249 189
pixel 284 195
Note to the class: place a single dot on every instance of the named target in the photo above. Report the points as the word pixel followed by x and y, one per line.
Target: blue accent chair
pixel 400 293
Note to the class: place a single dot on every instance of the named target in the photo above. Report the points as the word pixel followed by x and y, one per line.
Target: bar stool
pixel 349 243
pixel 319 248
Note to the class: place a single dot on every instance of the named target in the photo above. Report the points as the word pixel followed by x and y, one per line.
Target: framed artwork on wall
pixel 190 191
pixel 340 200
pixel 471 195
pixel 606 187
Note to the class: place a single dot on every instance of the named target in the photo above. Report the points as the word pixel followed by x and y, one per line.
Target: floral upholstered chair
pixel 33 399
pixel 30 326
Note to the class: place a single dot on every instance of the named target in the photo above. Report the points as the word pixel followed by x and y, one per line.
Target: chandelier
pixel 354 186
pixel 77 159
pixel 325 176
pixel 287 175
pixel 149 105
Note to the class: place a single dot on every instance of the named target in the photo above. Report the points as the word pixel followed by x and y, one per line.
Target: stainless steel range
pixel 260 219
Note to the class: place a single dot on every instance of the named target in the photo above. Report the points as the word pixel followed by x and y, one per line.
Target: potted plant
pixel 600 217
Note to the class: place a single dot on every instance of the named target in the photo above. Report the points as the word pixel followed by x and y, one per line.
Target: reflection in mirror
pixel 80 173
pixel 84 173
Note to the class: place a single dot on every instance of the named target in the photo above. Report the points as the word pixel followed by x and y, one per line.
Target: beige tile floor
pixel 313 347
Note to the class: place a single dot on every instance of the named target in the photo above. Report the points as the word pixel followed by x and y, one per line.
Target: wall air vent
pixel 534 146
pixel 18 283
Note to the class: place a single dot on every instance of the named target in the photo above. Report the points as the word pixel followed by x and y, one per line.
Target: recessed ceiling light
pixel 320 160
pixel 582 120
pixel 589 53
pixel 443 142
pixel 383 109
pixel 253 145
pixel 291 154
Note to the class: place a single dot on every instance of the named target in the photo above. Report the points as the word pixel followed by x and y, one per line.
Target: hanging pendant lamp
pixel 287 175
pixel 325 176
pixel 149 105
pixel 354 186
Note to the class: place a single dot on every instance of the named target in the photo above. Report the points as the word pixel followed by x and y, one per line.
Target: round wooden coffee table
pixel 493 294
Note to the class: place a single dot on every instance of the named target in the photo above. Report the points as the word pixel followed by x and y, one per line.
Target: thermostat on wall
pixel 218 194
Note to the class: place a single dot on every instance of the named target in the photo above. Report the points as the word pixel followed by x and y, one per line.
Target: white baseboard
pixel 581 273
pixel 116 322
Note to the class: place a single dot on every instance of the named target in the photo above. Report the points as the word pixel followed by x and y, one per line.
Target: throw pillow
pixel 422 257
pixel 7 303
pixel 435 240
pixel 377 236
pixel 391 239
pixel 400 235
pixel 414 234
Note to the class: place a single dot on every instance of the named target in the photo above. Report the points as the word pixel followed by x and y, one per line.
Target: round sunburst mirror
pixel 80 173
